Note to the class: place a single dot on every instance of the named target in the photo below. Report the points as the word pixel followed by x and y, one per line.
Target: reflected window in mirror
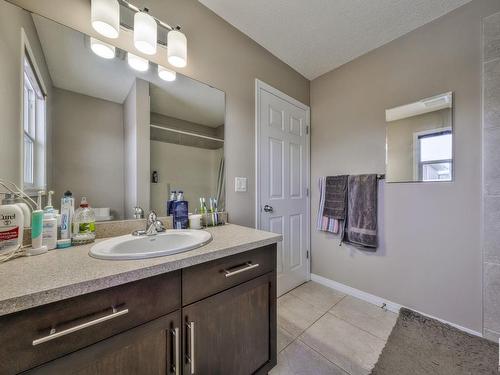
pixel 419 141
pixel 434 159
pixel 34 129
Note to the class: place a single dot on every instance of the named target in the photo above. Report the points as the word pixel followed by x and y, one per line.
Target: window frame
pixel 38 134
pixel 418 164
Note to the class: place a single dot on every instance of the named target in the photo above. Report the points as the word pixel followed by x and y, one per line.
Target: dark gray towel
pixel 336 197
pixel 362 211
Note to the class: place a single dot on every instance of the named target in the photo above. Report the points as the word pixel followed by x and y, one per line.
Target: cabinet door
pixel 152 348
pixel 233 332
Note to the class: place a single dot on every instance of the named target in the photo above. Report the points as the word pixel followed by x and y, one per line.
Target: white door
pixel 282 148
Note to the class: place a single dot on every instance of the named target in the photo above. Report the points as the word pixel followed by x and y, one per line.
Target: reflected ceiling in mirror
pixel 419 141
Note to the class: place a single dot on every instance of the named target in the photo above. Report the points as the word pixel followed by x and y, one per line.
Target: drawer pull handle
pixel 190 357
pixel 248 266
pixel 177 361
pixel 54 334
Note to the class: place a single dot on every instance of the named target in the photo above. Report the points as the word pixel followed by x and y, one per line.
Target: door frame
pixel 260 85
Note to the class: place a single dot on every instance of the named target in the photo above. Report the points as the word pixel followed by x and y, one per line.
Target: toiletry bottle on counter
pixel 170 202
pixel 49 234
pixel 11 227
pixel 83 224
pixel 18 201
pixel 67 213
pixel 37 229
pixel 180 212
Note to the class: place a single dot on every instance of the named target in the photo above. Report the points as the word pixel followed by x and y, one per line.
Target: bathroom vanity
pixel 211 310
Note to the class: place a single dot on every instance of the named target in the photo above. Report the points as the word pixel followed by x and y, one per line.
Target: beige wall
pixel 87 132
pixel 429 257
pixel 400 138
pixel 190 169
pixel 12 19
pixel 219 55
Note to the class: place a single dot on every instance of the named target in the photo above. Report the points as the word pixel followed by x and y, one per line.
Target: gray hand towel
pixel 362 211
pixel 336 197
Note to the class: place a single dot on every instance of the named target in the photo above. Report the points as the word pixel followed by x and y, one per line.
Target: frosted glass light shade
pixel 145 33
pixel 137 62
pixel 105 17
pixel 166 74
pixel 177 48
pixel 101 49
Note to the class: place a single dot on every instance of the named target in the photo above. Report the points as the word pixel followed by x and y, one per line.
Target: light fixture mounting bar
pixel 135 9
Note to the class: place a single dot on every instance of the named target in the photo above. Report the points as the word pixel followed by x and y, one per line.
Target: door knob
pixel 268 208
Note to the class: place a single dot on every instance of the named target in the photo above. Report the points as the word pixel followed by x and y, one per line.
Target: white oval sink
pixel 170 242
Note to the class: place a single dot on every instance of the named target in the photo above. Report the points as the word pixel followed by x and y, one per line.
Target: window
pixel 434 155
pixel 34 129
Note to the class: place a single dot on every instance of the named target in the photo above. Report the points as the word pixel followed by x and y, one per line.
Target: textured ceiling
pixel 316 36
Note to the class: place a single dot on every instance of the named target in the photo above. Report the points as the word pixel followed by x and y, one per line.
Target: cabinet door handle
pixel 176 366
pixel 190 356
pixel 54 334
pixel 248 266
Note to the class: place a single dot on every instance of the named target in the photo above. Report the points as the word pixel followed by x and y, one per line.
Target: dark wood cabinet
pixel 233 332
pixel 149 349
pixel 217 317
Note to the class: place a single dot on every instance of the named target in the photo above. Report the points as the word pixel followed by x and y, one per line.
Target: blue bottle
pixel 180 212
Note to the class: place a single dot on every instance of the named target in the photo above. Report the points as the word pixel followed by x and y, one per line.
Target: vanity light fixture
pixel 145 32
pixel 102 49
pixel 166 74
pixel 177 48
pixel 105 17
pixel 138 63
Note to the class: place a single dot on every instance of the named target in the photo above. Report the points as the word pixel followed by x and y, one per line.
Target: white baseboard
pixel 378 301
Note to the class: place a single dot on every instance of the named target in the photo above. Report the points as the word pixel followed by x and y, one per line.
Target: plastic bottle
pixel 67 214
pixel 18 201
pixel 83 224
pixel 49 236
pixel 180 212
pixel 170 202
pixel 11 227
pixel 37 229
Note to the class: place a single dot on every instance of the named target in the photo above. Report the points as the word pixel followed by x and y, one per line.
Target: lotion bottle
pixel 49 236
pixel 11 227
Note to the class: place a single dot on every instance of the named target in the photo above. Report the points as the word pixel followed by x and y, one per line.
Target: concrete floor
pixel 322 331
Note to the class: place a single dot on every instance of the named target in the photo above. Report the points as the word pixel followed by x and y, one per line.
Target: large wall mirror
pixel 419 140
pixel 87 122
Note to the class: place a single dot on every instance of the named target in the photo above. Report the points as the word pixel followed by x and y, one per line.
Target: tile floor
pixel 322 331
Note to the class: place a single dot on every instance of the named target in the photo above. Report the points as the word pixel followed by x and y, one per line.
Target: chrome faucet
pixel 153 226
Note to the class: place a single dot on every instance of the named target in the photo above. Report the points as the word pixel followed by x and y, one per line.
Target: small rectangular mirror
pixel 419 140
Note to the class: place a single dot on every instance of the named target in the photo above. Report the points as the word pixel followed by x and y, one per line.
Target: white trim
pixel 378 301
pixel 260 85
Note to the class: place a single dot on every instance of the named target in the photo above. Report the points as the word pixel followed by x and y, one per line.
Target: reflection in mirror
pixel 93 125
pixel 419 140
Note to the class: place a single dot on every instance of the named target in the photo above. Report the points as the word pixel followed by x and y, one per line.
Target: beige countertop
pixel 59 274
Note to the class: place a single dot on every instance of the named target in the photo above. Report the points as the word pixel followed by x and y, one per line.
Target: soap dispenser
pixel 49 233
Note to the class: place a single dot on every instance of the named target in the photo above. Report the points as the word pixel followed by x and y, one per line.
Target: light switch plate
pixel 240 184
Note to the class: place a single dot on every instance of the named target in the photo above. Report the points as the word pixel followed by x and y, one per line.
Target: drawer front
pixel 26 340
pixel 206 279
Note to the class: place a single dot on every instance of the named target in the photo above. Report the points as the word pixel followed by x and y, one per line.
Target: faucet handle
pixel 152 217
pixel 138 213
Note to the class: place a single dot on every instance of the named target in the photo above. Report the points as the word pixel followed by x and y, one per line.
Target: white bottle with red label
pixel 11 227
